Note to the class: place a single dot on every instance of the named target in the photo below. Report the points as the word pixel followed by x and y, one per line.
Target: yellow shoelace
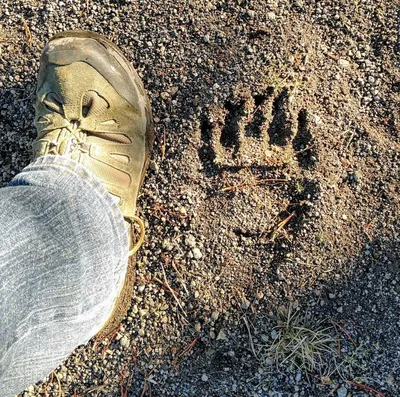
pixel 140 241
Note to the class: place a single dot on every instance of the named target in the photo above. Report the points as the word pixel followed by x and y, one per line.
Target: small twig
pixel 172 291
pixel 281 225
pixel 144 389
pixel 242 186
pixel 180 274
pixel 104 351
pixel 366 229
pixel 124 389
pixel 339 350
pixel 95 388
pixel 188 347
pixel 250 337
pixel 161 208
pixel 350 139
pixel 332 56
pixel 163 146
pixel 366 388
pixel 167 287
pixel 28 33
pixel 28 97
pixel 147 382
pixel 334 390
pixel 345 332
pixel 54 375
pixel 305 149
pixel 251 116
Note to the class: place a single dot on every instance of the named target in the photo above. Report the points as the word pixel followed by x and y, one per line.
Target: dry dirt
pixel 274 186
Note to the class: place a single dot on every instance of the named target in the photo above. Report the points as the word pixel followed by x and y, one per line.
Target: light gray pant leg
pixel 63 255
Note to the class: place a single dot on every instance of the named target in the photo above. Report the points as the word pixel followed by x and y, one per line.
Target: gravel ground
pixel 271 203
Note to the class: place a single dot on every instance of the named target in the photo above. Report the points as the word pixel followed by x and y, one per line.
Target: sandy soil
pixel 271 262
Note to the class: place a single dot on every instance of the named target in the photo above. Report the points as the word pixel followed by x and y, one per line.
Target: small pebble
pixel 173 91
pixel 245 304
pixel 154 166
pixel 222 335
pixel 214 315
pixel 164 95
pixel 182 210
pixel 125 341
pixel 344 63
pixel 167 245
pixel 190 241
pixel 342 392
pixel 197 253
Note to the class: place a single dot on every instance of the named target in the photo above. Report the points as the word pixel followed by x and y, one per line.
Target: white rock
pixel 182 210
pixel 197 253
pixel 344 63
pixel 190 241
pixel 125 341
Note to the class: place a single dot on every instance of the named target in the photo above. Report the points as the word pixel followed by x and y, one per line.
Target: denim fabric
pixel 63 256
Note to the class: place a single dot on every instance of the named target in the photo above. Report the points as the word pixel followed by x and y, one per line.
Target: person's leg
pixel 64 247
pixel 63 256
pixel 91 107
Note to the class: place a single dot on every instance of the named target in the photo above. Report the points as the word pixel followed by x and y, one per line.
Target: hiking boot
pixel 92 108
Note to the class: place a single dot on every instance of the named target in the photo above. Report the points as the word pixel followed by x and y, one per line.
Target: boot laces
pixel 71 141
pixel 140 240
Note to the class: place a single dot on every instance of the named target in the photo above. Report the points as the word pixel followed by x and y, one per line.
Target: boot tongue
pixel 93 104
pixel 94 107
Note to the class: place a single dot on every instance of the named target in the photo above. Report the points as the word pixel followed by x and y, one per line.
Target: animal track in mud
pixel 263 132
pixel 257 130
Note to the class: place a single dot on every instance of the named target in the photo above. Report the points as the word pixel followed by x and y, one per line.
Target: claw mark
pixel 280 129
pixel 206 152
pixel 257 119
pixel 303 142
pixel 229 138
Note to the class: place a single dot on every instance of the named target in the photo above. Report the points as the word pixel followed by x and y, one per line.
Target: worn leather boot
pixel 92 108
